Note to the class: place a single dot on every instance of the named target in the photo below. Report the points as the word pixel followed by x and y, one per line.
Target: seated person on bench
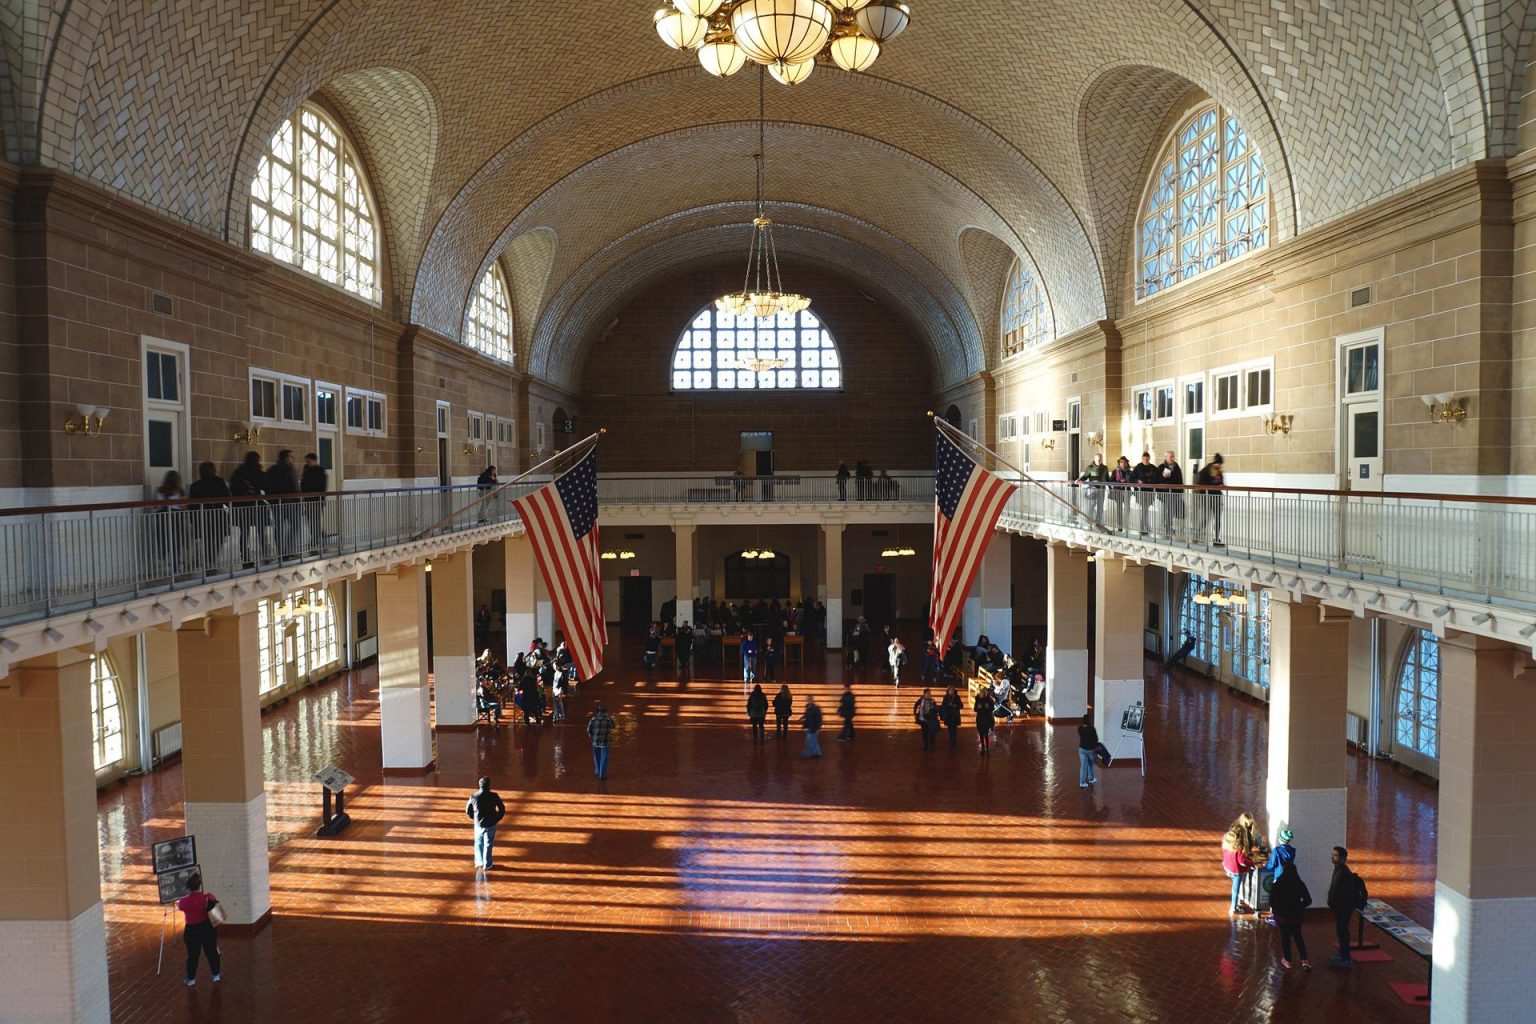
pixel 487 701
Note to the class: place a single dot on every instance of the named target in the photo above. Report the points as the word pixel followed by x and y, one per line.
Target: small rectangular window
pixel 1164 407
pixel 376 415
pixel 161 380
pixel 355 413
pixel 1225 386
pixel 1194 398
pixel 474 426
pixel 1363 370
pixel 1075 416
pixel 263 399
pixel 293 403
pixel 442 420
pixel 1257 388
pixel 1141 405
pixel 325 407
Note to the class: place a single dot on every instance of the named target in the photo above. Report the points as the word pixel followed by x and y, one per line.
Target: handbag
pixel 217 915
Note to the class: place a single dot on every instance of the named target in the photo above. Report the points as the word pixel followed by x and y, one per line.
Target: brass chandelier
pixel 762 291
pixel 785 36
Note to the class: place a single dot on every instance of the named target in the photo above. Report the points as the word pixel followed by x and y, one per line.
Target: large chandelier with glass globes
pixel 785 36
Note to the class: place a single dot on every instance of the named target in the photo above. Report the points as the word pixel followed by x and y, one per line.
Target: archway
pixel 952 414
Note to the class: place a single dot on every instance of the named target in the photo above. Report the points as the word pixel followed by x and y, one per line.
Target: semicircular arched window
pixel 1027 321
pixel 311 207
pixel 723 352
pixel 1207 202
pixel 1418 695
pixel 106 713
pixel 488 327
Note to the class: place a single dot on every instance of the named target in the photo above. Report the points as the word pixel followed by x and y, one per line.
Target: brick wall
pixel 10 407
pixel 880 414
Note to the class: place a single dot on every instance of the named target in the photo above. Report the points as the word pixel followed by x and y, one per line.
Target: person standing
pixel 748 659
pixel 896 653
pixel 757 712
pixel 1212 479
pixel 1121 479
pixel 600 729
pixel 1087 741
pixel 1095 478
pixel 982 708
pixel 811 720
pixel 845 711
pixel 771 660
pixel 247 482
pixel 949 714
pixel 925 712
pixel 933 662
pixel 1282 856
pixel 283 481
pixel 783 707
pixel 212 516
pixel 1288 901
pixel 314 482
pixel 1171 475
pixel 1235 862
pixel 485 483
pixel 1346 894
pixel 199 933
pixel 842 480
pixel 486 810
pixel 1145 474
pixel 684 647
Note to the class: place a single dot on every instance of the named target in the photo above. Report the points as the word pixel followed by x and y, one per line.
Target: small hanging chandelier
pixel 787 37
pixel 762 290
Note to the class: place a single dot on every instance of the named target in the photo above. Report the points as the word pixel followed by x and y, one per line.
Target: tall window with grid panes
pixel 1027 322
pixel 1418 695
pixel 310 205
pixel 1240 626
pixel 1207 202
pixel 106 713
pixel 723 352
pixel 488 326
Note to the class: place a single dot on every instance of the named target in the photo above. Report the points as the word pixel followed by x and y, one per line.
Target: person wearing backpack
pixel 1288 901
pixel 757 712
pixel 486 810
pixel 1346 894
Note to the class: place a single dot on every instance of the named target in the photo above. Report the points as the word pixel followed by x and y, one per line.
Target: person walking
pixel 949 714
pixel 485 483
pixel 1121 479
pixel 557 694
pixel 247 483
pixel 1210 478
pixel 845 711
pixel 783 707
pixel 1095 478
pixel 925 712
pixel 811 720
pixel 1145 475
pixel 1288 901
pixel 314 482
pixel 600 729
pixel 283 480
pixel 486 810
pixel 982 708
pixel 212 516
pixel 1346 894
pixel 748 659
pixel 199 932
pixel 757 712
pixel 1235 862
pixel 1087 741
pixel 1171 476
pixel 896 653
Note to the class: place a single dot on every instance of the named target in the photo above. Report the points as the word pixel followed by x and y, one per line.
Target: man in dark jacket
pixel 1345 896
pixel 212 516
pixel 811 719
pixel 1145 475
pixel 486 810
pixel 283 479
pixel 845 710
pixel 246 483
pixel 1211 476
pixel 313 482
pixel 1171 475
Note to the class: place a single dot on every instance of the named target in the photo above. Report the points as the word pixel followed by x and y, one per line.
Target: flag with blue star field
pixel 561 520
pixel 966 503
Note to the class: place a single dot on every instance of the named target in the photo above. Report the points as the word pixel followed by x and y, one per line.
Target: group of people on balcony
pixel 272 512
pixel 539 680
pixel 866 485
pixel 1163 484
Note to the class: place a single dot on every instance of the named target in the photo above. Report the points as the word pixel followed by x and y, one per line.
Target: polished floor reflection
pixel 710 880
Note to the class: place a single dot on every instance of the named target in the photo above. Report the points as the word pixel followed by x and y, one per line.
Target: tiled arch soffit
pixel 715 167
pixel 575 313
pixel 987 260
pixel 169 104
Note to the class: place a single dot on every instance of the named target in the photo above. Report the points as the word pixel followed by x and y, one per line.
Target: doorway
pixel 328 432
pixel 635 601
pixel 879 599
pixel 757 452
pixel 165 411
pixel 1192 424
pixel 1074 438
pixel 444 466
pixel 1360 411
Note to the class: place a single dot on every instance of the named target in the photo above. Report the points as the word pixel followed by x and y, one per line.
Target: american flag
pixel 966 503
pixel 561 520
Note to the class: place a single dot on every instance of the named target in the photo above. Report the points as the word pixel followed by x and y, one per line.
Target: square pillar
pixel 453 639
pixel 1485 882
pixel 994 585
pixel 520 572
pixel 52 929
pixel 221 761
pixel 1308 706
pixel 832 580
pixel 1119 682
pixel 543 611
pixel 1066 645
pixel 405 708
pixel 686 537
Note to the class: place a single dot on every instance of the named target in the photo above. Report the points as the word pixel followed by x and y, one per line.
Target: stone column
pixel 405 712
pixel 1308 704
pixel 453 639
pixel 221 761
pixel 994 585
pixel 1066 645
pixel 54 970
pixel 832 579
pixel 543 611
pixel 686 537
pixel 521 569
pixel 1118 679
pixel 1485 881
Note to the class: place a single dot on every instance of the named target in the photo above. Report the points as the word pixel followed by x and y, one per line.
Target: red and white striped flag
pixel 561 520
pixel 966 503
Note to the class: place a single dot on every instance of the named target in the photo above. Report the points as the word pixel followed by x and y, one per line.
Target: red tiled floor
pixel 710 881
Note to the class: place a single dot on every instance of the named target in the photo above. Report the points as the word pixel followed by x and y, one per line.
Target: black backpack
pixel 1361 894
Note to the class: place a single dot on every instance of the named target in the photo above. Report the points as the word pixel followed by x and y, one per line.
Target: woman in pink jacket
pixel 1235 846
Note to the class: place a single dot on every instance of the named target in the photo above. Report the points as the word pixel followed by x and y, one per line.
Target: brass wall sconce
pixel 90 422
pixel 250 435
pixel 1095 439
pixel 1048 444
pixel 470 448
pixel 611 556
pixel 1445 407
pixel 1280 423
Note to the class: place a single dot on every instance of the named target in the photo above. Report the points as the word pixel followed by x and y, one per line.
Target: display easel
pixel 174 861
pixel 1132 723
pixel 167 921
pixel 333 781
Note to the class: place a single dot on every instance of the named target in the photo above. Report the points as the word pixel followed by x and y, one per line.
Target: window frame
pixel 1008 426
pixel 481 313
pixel 694 372
pixel 1241 373
pixel 1024 326
pixel 338 412
pixel 369 400
pixel 103 674
pixel 1412 658
pixel 279 381
pixel 1137 395
pixel 1164 389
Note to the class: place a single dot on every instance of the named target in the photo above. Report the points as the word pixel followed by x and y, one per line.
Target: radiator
pixel 1354 729
pixel 368 647
pixel 167 741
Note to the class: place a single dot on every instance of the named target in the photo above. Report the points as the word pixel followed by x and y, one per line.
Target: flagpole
pixel 564 453
pixel 956 434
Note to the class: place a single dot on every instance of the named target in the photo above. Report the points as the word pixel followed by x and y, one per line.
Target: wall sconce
pixel 1280 423
pixel 1095 439
pixel 250 435
pixel 89 423
pixel 1048 444
pixel 1445 407
pixel 470 448
pixel 610 556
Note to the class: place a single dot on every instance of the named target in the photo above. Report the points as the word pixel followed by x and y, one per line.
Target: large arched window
pixel 298 630
pixel 488 328
pixel 1224 617
pixel 106 712
pixel 724 352
pixel 1418 695
pixel 310 205
pixel 1027 320
pixel 1207 202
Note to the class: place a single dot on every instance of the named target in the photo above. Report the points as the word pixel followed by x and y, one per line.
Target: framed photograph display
pixel 173 884
pixel 175 854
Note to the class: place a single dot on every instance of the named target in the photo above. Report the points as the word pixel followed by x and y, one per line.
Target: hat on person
pixel 1285 835
pixel 1218 459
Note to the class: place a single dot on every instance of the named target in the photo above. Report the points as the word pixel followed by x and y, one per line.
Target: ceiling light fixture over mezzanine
pixel 785 36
